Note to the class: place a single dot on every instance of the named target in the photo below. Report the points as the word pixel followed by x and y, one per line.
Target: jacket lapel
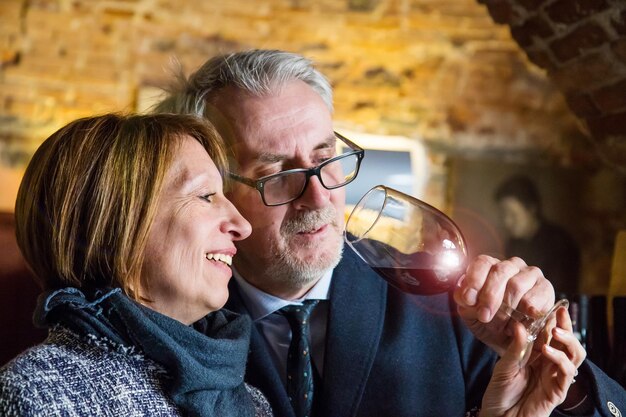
pixel 260 371
pixel 355 322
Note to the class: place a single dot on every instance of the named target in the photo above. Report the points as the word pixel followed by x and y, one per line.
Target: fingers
pixel 542 385
pixel 511 282
pixel 565 353
pixel 473 281
pixel 565 340
pixel 563 371
pixel 518 349
pixel 539 298
pixel 563 320
pixel 489 282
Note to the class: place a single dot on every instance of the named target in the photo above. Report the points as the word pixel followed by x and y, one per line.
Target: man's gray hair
pixel 258 72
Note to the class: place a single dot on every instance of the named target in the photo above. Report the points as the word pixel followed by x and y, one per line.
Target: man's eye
pixel 324 156
pixel 267 173
pixel 207 197
pixel 320 160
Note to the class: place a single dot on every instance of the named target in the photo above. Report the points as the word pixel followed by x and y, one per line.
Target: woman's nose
pixel 237 225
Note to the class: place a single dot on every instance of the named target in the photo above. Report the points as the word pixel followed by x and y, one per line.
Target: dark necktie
pixel 299 366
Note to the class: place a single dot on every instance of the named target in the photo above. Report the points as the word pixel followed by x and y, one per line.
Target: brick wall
pixel 440 71
pixel 582 46
pixel 437 70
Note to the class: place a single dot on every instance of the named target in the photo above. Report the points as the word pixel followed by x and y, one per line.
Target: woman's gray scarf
pixel 206 362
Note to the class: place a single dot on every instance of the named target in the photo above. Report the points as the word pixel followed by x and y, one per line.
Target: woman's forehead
pixel 191 163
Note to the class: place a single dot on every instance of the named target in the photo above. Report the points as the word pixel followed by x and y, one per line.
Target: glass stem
pixel 533 325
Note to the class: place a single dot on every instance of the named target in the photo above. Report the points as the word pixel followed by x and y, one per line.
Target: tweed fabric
pixel 73 376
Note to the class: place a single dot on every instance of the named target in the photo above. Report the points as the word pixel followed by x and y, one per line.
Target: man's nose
pixel 315 195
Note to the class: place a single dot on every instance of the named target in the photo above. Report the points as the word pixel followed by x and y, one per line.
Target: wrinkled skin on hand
pixel 487 284
pixel 537 384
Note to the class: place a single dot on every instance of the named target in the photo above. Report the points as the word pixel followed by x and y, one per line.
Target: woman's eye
pixel 207 197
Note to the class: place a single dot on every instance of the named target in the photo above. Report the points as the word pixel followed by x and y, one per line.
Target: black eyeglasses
pixel 287 186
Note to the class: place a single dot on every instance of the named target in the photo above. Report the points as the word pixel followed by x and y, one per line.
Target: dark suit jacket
pixel 388 353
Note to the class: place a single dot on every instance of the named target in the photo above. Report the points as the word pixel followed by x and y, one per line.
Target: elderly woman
pixel 124 221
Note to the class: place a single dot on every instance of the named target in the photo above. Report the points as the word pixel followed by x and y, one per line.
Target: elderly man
pixel 331 338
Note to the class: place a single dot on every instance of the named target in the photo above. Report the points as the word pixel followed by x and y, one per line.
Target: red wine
pixel 422 272
pixel 419 281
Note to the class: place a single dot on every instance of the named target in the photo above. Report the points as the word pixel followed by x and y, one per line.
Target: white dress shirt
pixel 275 327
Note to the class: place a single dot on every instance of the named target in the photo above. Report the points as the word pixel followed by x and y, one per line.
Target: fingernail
pixel 470 296
pixel 484 314
pixel 459 283
pixel 560 331
pixel 550 349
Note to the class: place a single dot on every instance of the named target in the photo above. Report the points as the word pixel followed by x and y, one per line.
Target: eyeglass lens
pixel 283 188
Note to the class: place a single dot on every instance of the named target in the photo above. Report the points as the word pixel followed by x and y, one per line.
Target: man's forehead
pixel 280 148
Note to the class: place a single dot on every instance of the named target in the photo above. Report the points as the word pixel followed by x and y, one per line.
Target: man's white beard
pixel 287 269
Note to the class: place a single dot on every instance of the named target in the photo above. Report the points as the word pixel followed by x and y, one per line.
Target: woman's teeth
pixel 227 259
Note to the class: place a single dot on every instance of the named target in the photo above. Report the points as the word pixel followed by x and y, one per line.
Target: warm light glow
pixel 10 179
pixel 449 260
pixel 448 244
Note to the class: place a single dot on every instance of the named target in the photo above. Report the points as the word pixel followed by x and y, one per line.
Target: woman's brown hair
pixel 89 196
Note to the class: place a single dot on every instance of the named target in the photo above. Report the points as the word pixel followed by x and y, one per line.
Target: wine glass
pixel 418 249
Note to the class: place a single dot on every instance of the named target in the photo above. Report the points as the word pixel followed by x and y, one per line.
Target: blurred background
pixel 451 96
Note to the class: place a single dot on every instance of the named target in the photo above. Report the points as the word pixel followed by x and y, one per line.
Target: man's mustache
pixel 310 220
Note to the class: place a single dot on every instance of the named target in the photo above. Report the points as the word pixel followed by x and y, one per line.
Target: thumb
pixel 506 387
pixel 517 353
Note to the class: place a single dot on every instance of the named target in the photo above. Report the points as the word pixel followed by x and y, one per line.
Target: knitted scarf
pixel 206 362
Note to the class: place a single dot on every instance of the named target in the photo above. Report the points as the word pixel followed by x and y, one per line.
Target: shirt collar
pixel 261 304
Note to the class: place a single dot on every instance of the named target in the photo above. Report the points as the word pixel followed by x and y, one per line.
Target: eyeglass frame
pixel 259 183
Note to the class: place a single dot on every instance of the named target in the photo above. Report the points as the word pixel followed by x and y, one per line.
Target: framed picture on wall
pixel 395 161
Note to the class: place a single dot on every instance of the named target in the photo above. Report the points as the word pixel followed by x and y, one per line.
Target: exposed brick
pixel 541 58
pixel 587 36
pixel 531 5
pixel 582 105
pixel 571 11
pixel 536 26
pixel 620 24
pixel 609 125
pixel 500 11
pixel 619 49
pixel 587 73
pixel 524 39
pixel 461 118
pixel 539 26
pixel 611 98
pixel 362 5
pixel 9 57
pixel 381 76
pixel 610 141
pixel 48 5
pixel 387 87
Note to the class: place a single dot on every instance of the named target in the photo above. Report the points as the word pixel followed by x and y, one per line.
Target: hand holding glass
pixel 417 248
